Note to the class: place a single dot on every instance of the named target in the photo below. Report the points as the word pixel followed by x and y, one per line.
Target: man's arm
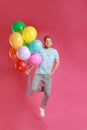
pixel 55 67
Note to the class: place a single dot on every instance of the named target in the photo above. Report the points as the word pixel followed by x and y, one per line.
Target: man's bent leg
pixel 36 82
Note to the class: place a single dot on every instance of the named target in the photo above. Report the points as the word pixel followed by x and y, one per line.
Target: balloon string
pixel 29 86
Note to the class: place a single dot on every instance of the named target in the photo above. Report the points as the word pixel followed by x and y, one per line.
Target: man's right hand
pixel 27 72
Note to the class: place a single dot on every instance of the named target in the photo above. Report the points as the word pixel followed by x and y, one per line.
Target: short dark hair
pixel 48 36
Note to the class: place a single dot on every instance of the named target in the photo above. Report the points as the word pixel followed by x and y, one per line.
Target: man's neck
pixel 47 47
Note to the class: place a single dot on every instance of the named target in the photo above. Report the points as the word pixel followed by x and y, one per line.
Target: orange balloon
pixel 16 40
pixel 12 54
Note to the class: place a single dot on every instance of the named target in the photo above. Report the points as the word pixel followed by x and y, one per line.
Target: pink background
pixel 66 21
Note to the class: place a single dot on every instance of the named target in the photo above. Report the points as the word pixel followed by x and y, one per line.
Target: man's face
pixel 48 42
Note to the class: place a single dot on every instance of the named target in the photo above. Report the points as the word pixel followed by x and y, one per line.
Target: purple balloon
pixel 35 59
pixel 23 53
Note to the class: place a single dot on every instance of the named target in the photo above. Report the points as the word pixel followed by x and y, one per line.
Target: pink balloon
pixel 35 59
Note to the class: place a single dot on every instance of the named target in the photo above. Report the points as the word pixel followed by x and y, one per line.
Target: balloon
pixel 35 46
pixel 18 26
pixel 21 66
pixel 23 53
pixel 25 44
pixel 29 34
pixel 16 40
pixel 35 59
pixel 12 54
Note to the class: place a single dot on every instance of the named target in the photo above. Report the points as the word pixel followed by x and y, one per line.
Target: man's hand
pixel 50 74
pixel 29 70
pixel 56 65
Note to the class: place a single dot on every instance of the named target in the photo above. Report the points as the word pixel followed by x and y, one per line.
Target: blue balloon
pixel 35 46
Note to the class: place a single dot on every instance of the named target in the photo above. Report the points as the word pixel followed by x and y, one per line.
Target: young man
pixel 50 63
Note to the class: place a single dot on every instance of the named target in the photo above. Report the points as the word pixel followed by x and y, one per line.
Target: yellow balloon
pixel 29 34
pixel 16 40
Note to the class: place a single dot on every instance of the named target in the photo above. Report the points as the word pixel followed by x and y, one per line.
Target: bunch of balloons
pixel 24 46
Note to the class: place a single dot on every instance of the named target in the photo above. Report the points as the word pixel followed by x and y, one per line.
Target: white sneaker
pixel 42 112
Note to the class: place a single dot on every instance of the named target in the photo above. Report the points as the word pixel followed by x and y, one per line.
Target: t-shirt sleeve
pixel 56 56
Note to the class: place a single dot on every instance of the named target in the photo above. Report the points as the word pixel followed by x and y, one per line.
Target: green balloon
pixel 26 44
pixel 18 26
